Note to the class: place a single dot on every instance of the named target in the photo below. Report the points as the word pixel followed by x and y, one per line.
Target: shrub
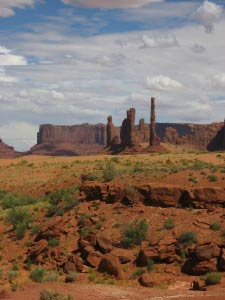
pixel 214 226
pixel 109 172
pixel 136 273
pixel 35 229
pixel 85 231
pixel 212 278
pixel 212 178
pixel 13 274
pixel 91 274
pixel 53 242
pixel 37 275
pixel 135 233
pixel 188 238
pixel 20 219
pixel 49 295
pixel 52 276
pixel 169 224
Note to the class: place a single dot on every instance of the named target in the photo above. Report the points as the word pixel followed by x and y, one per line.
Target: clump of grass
pixel 135 233
pixel 49 295
pixel 37 275
pixel 213 278
pixel 109 172
pixel 212 178
pixel 85 231
pixel 136 273
pixel 91 274
pixel 20 219
pixel 188 238
pixel 169 224
pixel 215 226
pixel 53 242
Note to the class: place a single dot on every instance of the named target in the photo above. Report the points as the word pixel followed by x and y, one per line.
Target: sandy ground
pixel 103 292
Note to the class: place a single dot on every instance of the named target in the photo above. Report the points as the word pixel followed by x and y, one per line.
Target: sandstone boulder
pixel 123 255
pixel 104 244
pixel 207 251
pixel 110 264
pixel 145 255
pixel 221 261
pixel 93 259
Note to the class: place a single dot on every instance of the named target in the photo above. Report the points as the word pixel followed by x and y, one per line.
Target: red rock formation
pixel 110 131
pixel 127 133
pixel 7 151
pixel 153 140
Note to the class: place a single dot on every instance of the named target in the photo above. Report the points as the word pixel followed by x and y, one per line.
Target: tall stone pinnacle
pixel 153 137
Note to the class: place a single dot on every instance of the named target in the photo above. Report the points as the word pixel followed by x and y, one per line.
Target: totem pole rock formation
pixel 153 139
pixel 223 142
pixel 109 130
pixel 128 129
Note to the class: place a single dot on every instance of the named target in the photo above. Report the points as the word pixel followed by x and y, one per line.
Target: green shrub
pixel 51 276
pixel 136 273
pixel 35 229
pixel 215 226
pixel 53 242
pixel 37 275
pixel 135 233
pixel 91 274
pixel 49 295
pixel 109 172
pixel 13 274
pixel 85 231
pixel 169 224
pixel 20 219
pixel 212 278
pixel 212 178
pixel 188 238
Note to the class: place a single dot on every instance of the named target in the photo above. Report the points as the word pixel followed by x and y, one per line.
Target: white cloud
pixel 110 4
pixel 219 81
pixel 208 14
pixel 8 58
pixel 162 83
pixel 6 79
pixel 199 49
pixel 21 135
pixel 159 41
pixel 7 7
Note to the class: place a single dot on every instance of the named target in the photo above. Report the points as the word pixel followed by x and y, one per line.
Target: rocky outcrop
pixel 154 139
pixel 157 196
pixel 7 151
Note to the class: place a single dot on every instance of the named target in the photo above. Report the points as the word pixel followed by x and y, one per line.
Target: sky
pixel 68 62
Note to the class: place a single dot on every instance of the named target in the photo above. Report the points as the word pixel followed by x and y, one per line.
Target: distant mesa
pixel 88 139
pixel 7 151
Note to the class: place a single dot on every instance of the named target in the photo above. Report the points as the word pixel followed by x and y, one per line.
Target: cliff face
pixel 7 151
pixel 76 134
pixel 86 139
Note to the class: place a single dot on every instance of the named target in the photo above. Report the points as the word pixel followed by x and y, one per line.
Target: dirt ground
pixel 102 292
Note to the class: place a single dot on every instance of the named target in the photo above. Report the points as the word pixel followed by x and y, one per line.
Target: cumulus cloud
pixel 197 48
pixel 218 81
pixel 8 58
pixel 162 83
pixel 159 41
pixel 21 135
pixel 7 7
pixel 4 78
pixel 208 14
pixel 110 4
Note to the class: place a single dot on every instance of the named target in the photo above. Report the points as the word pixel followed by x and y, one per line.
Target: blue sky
pixel 74 61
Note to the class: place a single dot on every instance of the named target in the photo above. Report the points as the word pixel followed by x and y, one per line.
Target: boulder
pixel 4 294
pixel 221 261
pixel 123 255
pixel 37 248
pixel 104 244
pixel 74 263
pixel 88 240
pixel 165 196
pixel 146 280
pixel 207 251
pixel 204 267
pixel 167 254
pixel 53 228
pixel 145 255
pixel 93 259
pixel 110 264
